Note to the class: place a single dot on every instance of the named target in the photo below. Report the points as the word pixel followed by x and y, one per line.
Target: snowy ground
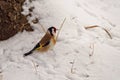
pixel 70 59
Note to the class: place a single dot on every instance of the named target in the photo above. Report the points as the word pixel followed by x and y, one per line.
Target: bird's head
pixel 52 30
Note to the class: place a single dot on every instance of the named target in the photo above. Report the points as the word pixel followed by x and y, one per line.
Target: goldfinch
pixel 46 43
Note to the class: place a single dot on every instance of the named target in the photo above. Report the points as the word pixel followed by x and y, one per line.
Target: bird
pixel 47 42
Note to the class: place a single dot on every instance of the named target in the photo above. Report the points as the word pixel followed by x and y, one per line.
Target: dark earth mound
pixel 11 19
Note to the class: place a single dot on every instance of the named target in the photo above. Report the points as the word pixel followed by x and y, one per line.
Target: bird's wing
pixel 47 43
pixel 45 40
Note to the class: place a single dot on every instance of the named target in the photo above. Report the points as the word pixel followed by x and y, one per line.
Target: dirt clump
pixel 11 19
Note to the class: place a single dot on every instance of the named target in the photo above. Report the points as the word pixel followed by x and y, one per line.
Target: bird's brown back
pixel 46 38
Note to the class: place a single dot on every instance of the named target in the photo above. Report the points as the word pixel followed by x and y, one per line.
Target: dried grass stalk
pixel 35 68
pixel 94 26
pixel 92 49
pixel 43 28
pixel 72 68
pixel 89 27
pixel 107 32
pixel 60 28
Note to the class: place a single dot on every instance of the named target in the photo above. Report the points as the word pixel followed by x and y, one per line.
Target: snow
pixel 79 54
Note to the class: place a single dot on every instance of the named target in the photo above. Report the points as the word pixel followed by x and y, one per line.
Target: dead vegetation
pixel 11 19
pixel 72 67
pixel 60 28
pixel 107 32
pixel 89 27
pixel 35 66
pixel 91 49
pixel 95 26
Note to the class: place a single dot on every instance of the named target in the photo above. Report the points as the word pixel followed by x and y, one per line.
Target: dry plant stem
pixel 92 49
pixel 34 66
pixel 107 32
pixel 43 28
pixel 60 28
pixel 72 68
pixel 94 26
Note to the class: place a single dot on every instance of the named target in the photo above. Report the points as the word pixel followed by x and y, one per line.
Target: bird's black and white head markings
pixel 52 30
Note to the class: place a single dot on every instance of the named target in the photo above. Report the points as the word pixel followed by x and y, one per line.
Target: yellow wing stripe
pixel 39 47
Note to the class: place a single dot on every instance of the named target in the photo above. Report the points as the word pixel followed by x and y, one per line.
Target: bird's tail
pixel 30 52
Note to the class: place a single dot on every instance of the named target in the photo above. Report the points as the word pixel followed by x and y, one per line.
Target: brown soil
pixel 11 19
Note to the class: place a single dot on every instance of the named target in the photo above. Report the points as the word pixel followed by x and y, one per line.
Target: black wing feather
pixel 47 43
pixel 30 52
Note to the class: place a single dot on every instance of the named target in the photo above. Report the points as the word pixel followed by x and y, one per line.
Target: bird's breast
pixel 52 43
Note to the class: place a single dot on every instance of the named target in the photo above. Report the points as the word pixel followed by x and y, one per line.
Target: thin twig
pixel 94 26
pixel 107 32
pixel 42 28
pixel 60 28
pixel 72 67
pixel 92 49
pixel 34 66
